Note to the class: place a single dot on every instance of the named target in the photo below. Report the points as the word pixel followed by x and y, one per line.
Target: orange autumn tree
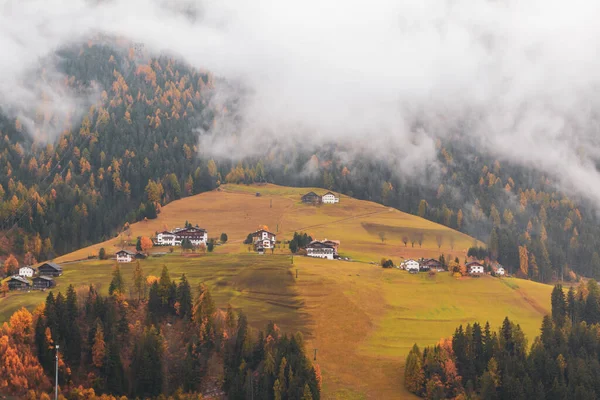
pixel 146 243
pixel 20 370
pixel 10 265
pixel 523 260
pixel 99 347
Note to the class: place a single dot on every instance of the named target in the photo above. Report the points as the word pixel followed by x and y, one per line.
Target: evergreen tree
pixel 184 298
pixel 146 365
pixel 117 284
pixel 559 305
pixel 139 281
pixel 414 378
pixel 72 333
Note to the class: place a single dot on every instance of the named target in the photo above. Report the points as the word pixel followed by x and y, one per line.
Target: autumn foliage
pixel 171 342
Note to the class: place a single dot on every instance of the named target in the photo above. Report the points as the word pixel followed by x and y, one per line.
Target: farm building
pixel 498 269
pixel 26 271
pixel 263 238
pixel 411 265
pixel 140 256
pixel 16 282
pixel 195 235
pixel 50 269
pixel 321 249
pixel 43 282
pixel 330 198
pixel 124 256
pixel 475 268
pixel 311 198
pixel 431 263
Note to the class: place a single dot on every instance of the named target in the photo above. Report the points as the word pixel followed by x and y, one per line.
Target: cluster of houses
pixel 41 278
pixel 313 198
pixel 424 264
pixel 195 235
pixel 474 268
pixel 323 249
pixel 126 256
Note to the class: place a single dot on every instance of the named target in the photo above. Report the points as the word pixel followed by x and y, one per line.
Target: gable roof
pixel 473 264
pixel 55 266
pixel 46 278
pixel 20 279
pixel 262 230
pixel 26 266
pixel 131 253
pixel 310 194
pixel 331 193
pixel 319 245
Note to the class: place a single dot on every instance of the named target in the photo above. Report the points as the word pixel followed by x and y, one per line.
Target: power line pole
pixel 56 380
pixel 316 354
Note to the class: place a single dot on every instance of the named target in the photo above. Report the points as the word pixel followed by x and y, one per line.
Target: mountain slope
pixel 237 211
pixel 362 318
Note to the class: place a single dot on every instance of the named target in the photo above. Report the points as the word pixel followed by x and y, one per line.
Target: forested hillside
pixel 137 149
pixel 477 362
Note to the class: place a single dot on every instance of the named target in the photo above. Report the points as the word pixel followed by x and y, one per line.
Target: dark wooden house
pixel 43 282
pixel 311 198
pixel 50 269
pixel 18 283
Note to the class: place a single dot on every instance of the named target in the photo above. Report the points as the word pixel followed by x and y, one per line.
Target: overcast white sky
pixel 520 76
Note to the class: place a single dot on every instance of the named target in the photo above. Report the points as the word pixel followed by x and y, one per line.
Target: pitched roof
pixel 262 230
pixel 318 244
pixel 310 194
pixel 52 265
pixel 131 253
pixel 331 193
pixel 20 279
pixel 473 263
pixel 46 278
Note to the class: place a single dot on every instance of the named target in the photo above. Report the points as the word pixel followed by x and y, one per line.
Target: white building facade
pixel 125 256
pixel 264 239
pixel 330 198
pixel 26 271
pixel 411 265
pixel 196 236
pixel 475 269
pixel 320 250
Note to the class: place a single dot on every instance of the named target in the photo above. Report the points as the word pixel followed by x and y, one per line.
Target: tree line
pixel 479 363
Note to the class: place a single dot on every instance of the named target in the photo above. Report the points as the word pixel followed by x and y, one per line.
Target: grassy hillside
pixel 360 317
pixel 236 210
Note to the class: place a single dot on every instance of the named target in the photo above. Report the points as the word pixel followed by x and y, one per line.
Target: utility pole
pixel 56 380
pixel 316 354
pixel 296 273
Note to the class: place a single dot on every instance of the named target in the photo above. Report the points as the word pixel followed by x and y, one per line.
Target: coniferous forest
pixel 479 363
pixel 165 339
pixel 136 149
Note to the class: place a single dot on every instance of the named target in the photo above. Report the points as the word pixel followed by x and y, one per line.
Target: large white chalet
pixel 330 198
pixel 325 249
pixel 195 235
pixel 26 271
pixel 263 239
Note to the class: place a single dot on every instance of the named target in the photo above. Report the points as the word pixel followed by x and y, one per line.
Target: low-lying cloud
pixel 519 78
